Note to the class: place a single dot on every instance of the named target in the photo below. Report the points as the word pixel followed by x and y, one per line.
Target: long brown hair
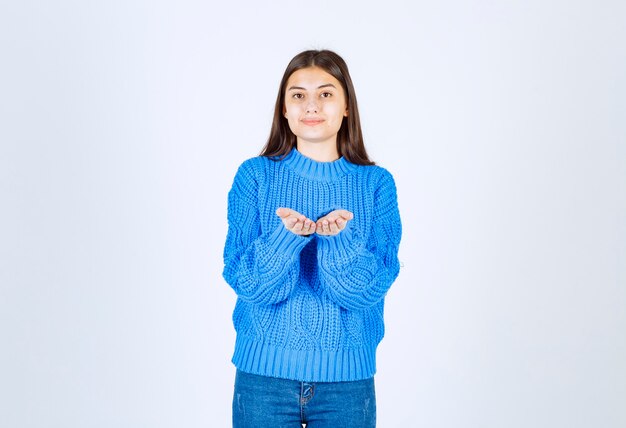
pixel 349 138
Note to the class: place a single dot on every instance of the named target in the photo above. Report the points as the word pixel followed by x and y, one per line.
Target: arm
pixel 358 274
pixel 261 268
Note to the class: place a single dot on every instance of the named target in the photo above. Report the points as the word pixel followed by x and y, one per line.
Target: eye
pixel 326 94
pixel 297 96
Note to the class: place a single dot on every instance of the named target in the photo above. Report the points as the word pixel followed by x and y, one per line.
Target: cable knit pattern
pixel 310 308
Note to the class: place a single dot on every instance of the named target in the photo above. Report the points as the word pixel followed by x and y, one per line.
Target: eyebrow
pixel 327 85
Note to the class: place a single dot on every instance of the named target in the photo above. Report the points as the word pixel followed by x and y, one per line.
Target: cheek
pixel 292 110
pixel 337 114
pixel 292 121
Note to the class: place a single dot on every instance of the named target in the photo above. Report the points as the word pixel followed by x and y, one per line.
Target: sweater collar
pixel 324 171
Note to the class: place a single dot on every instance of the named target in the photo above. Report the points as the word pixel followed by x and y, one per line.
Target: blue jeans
pixel 268 402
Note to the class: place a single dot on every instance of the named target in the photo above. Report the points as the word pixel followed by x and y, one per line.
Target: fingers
pixel 330 224
pixel 296 222
pixel 334 222
pixel 302 226
pixel 291 222
pixel 286 212
pixel 344 215
pixel 308 227
pixel 327 227
pixel 347 215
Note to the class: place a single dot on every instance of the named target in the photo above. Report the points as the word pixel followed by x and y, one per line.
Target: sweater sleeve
pixel 261 268
pixel 358 274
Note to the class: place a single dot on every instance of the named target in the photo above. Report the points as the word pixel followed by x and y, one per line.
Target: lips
pixel 312 122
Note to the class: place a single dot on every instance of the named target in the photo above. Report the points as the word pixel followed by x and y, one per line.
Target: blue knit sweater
pixel 310 308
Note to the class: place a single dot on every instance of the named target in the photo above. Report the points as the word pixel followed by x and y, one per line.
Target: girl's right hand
pixel 296 222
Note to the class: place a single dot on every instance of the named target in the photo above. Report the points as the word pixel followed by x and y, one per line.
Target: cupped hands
pixel 330 224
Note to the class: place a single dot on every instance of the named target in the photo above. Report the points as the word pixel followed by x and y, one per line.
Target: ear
pixel 345 113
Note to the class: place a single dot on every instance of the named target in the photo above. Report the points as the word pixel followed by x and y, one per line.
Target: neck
pixel 321 152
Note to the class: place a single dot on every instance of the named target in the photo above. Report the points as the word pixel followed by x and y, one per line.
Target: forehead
pixel 311 78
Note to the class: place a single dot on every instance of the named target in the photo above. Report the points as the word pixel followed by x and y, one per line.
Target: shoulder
pixel 376 175
pixel 253 172
pixel 251 168
pixel 246 181
pixel 250 164
pixel 383 188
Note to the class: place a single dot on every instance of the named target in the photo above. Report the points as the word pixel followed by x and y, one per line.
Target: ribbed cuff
pixel 286 242
pixel 339 245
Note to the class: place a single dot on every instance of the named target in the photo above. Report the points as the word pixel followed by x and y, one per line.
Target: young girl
pixel 311 251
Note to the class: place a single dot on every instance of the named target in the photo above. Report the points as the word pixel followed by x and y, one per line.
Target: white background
pixel 122 124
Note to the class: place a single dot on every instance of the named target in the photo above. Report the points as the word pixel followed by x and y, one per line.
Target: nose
pixel 312 106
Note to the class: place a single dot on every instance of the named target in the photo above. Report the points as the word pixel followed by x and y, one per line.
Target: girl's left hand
pixel 333 222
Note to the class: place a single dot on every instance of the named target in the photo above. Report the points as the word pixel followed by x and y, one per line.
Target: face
pixel 315 105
